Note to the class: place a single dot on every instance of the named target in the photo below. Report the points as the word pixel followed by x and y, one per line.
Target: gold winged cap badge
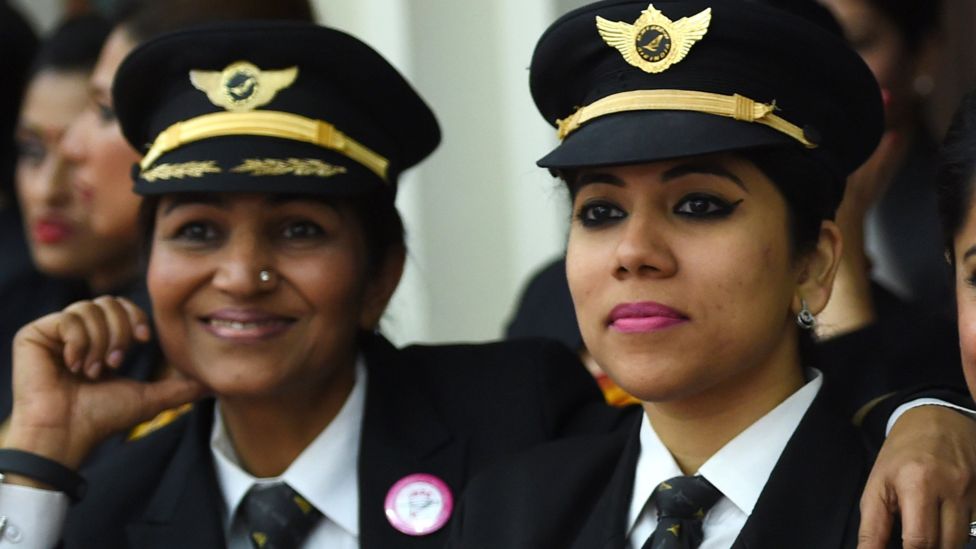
pixel 653 43
pixel 242 86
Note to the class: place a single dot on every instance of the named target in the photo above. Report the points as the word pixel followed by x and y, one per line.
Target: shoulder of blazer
pixel 811 498
pixel 122 484
pixel 510 357
pixel 543 497
pixel 538 380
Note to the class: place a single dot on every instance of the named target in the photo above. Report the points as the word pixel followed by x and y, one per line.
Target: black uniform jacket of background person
pixel 576 493
pixel 446 411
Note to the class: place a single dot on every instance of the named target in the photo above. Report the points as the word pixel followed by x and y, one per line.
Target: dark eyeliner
pixel 722 208
pixel 608 213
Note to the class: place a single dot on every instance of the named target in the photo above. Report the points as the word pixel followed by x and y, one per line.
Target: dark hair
pixel 375 212
pixel 811 191
pixel 147 19
pixel 18 44
pixel 955 176
pixel 915 19
pixel 73 46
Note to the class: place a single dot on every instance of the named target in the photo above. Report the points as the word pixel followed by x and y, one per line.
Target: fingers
pixel 137 318
pixel 927 464
pixel 169 392
pixel 877 509
pixel 920 516
pixel 96 334
pixel 955 525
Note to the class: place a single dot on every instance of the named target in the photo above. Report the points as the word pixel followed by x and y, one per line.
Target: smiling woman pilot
pixel 275 245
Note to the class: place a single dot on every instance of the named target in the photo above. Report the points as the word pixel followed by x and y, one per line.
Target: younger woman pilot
pixel 705 146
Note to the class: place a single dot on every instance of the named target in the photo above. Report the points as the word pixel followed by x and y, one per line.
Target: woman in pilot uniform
pixel 274 241
pixel 705 147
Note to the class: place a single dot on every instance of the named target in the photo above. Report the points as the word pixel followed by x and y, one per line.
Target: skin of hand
pixel 65 399
pixel 850 307
pixel 926 472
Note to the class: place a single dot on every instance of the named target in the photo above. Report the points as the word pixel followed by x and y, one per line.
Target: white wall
pixel 480 215
pixel 42 13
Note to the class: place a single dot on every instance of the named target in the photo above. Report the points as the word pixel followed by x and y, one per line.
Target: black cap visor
pixel 638 137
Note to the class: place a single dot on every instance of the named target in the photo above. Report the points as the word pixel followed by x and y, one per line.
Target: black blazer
pixel 448 411
pixel 576 493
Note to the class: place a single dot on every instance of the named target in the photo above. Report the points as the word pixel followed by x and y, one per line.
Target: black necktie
pixel 681 505
pixel 277 517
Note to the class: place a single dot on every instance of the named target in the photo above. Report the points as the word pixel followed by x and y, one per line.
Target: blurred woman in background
pixel 66 252
pixel 76 181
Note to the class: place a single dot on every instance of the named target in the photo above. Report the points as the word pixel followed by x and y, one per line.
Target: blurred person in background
pixel 890 218
pixel 83 220
pixel 890 319
pixel 64 249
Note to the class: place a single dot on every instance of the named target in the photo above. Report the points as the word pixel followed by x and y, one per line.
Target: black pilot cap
pixel 682 78
pixel 281 107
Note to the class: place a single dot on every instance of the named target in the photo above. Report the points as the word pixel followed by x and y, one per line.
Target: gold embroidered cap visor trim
pixel 268 124
pixel 735 106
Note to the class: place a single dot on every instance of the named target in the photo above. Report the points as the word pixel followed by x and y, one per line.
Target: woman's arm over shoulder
pixel 925 472
pixel 541 498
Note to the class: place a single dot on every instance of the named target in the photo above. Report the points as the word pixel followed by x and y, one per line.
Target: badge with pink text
pixel 419 504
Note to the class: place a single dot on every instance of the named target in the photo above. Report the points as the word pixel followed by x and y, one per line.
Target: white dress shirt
pixel 739 470
pixel 326 473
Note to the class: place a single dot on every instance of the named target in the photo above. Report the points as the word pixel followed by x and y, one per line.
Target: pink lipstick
pixel 645 316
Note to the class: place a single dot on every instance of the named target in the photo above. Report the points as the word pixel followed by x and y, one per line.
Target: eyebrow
pixel 970 252
pixel 97 91
pixel 194 198
pixel 681 170
pixel 276 199
pixel 588 178
pixel 707 168
pixel 26 130
pixel 220 201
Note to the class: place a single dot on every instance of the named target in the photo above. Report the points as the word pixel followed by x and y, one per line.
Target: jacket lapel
pixel 811 498
pixel 606 526
pixel 402 434
pixel 185 510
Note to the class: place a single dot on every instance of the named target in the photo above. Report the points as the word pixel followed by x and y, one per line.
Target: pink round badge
pixel 419 504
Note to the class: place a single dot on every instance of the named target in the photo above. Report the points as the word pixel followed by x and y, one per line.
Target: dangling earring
pixel 923 85
pixel 805 318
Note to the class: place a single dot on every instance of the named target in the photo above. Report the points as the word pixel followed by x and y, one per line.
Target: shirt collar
pixel 739 469
pixel 325 473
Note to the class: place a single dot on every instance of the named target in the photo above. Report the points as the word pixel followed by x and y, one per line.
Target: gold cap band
pixel 733 106
pixel 265 123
